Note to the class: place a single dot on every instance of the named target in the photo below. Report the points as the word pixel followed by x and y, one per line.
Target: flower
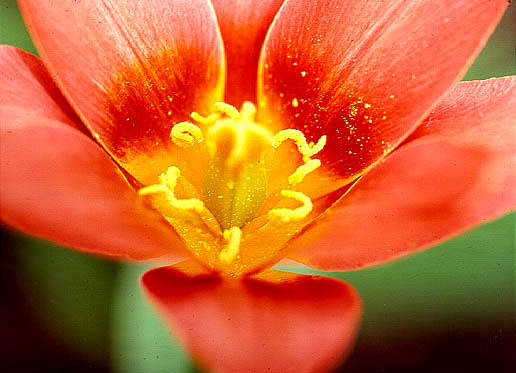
pixel 125 140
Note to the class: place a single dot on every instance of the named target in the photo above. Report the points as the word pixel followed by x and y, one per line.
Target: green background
pixel 448 308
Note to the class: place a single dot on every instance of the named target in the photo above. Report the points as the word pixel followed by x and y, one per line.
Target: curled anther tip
pixel 227 109
pixel 210 119
pixel 233 236
pixel 153 189
pixel 186 134
pixel 302 171
pixel 287 215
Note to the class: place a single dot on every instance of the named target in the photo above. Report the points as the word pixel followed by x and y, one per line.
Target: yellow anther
pixel 299 138
pixel 303 170
pixel 233 235
pixel 314 149
pixel 168 182
pixel 186 134
pixel 210 119
pixel 286 215
pixel 227 109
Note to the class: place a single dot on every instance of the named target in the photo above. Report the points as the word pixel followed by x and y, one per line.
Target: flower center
pixel 235 224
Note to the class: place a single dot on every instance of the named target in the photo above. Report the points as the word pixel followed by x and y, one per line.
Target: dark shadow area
pixel 458 351
pixel 27 345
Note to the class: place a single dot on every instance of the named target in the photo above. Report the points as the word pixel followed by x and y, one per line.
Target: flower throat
pixel 234 190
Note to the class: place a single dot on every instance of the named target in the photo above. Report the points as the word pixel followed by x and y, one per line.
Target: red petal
pixel 59 185
pixel 364 72
pixel 281 322
pixel 458 171
pixel 132 69
pixel 243 25
pixel 27 89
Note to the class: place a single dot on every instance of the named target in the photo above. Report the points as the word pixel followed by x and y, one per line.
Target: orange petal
pixel 281 322
pixel 132 69
pixel 458 170
pixel 364 72
pixel 58 184
pixel 243 25
pixel 27 89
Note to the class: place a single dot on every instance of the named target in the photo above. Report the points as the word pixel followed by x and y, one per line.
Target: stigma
pixel 235 188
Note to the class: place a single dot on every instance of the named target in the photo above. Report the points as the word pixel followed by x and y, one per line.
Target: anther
pixel 286 215
pixel 210 119
pixel 233 235
pixel 186 134
pixel 227 109
pixel 168 182
pixel 303 170
pixel 299 138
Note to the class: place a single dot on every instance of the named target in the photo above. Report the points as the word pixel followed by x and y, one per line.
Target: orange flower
pixel 328 132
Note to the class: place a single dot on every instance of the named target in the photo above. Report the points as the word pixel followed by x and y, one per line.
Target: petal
pixel 281 322
pixel 132 69
pixel 364 72
pixel 27 89
pixel 458 171
pixel 68 190
pixel 243 25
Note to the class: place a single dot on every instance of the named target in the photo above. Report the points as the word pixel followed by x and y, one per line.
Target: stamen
pixel 233 235
pixel 299 138
pixel 227 109
pixel 212 118
pixel 303 170
pixel 286 215
pixel 168 182
pixel 186 134
pixel 314 149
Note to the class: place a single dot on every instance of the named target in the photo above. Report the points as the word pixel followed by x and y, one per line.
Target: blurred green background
pixel 450 308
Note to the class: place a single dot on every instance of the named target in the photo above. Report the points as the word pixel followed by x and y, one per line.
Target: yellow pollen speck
pixel 303 73
pixel 286 215
pixel 391 96
pixel 367 106
pixel 233 235
pixel 384 117
pixel 295 102
pixel 186 134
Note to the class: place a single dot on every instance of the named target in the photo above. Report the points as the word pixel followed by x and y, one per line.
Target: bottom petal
pixel 277 322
